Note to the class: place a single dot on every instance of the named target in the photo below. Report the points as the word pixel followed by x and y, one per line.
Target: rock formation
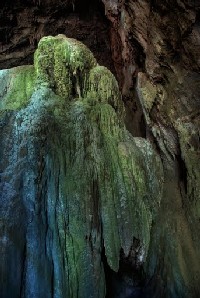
pixel 73 179
pixel 90 206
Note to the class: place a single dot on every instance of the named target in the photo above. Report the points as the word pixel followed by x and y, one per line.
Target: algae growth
pixel 99 186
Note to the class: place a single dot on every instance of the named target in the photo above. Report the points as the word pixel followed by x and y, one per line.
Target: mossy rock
pixel 94 185
pixel 17 85
pixel 63 64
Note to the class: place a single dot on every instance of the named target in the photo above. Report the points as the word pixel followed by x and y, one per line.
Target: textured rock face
pixel 155 52
pixel 74 182
pixel 167 84
pixel 25 22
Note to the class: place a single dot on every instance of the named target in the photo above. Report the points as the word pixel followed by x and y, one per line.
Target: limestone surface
pixel 74 183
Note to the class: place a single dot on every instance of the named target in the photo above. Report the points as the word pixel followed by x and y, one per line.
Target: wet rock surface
pixel 153 48
pixel 74 182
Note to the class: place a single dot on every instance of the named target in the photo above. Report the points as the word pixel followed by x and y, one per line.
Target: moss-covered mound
pixel 83 181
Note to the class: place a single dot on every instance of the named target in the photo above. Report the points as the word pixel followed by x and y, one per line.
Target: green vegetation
pixel 63 64
pixel 17 86
pixel 104 185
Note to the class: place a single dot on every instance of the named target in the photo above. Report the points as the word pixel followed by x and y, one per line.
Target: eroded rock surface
pixel 24 22
pixel 155 52
pixel 165 74
pixel 74 182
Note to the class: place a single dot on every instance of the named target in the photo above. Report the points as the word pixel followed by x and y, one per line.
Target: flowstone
pixel 73 180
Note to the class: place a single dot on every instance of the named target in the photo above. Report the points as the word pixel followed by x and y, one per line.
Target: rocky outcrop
pixel 74 183
pixel 153 48
pixel 167 89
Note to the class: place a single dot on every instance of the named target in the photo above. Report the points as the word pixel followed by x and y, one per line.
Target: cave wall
pixel 153 49
pixel 25 23
pixel 167 84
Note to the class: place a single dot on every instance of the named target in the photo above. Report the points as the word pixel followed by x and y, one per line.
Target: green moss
pixel 104 186
pixel 63 64
pixel 147 92
pixel 17 87
pixel 104 88
pixel 188 135
pixel 126 172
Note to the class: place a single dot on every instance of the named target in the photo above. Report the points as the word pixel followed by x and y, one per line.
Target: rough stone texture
pixel 167 84
pixel 155 52
pixel 74 181
pixel 25 22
